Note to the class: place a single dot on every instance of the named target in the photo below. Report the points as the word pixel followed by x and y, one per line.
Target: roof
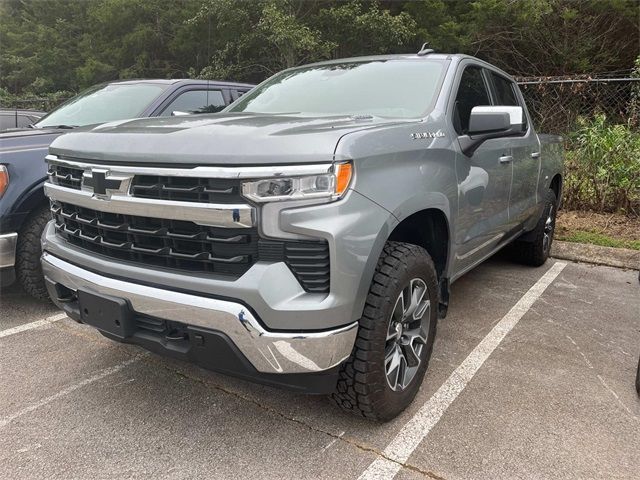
pixel 175 81
pixel 406 56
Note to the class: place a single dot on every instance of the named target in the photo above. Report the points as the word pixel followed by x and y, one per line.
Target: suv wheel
pixel 535 250
pixel 28 252
pixel 395 338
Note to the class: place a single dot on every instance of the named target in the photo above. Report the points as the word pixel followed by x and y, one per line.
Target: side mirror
pixel 491 122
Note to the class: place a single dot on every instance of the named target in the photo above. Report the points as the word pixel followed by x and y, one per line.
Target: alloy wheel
pixel 407 334
pixel 549 225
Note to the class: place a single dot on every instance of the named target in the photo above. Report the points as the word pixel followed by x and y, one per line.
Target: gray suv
pixel 307 236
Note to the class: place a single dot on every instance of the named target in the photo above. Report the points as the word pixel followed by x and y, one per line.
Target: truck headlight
pixel 332 185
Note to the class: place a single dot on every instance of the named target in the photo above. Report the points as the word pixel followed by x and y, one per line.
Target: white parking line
pixel 72 388
pixel 419 426
pixel 32 325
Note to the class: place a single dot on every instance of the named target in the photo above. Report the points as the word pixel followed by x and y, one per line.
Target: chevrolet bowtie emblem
pixel 103 184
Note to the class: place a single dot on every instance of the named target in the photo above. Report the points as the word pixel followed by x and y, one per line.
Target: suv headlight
pixel 331 185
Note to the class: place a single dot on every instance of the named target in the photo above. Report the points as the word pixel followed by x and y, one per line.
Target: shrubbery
pixel 603 167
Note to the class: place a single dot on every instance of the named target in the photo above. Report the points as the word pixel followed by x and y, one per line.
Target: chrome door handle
pixel 506 159
pixel 535 155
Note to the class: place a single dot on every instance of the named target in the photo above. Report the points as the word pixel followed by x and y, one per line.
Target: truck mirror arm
pixel 470 143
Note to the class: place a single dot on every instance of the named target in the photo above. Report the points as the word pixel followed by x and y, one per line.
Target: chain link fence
pixel 43 104
pixel 555 104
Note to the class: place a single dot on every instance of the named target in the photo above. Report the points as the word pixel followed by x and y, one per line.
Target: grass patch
pixel 580 236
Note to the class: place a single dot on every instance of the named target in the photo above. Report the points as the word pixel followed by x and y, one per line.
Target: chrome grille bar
pixel 216 215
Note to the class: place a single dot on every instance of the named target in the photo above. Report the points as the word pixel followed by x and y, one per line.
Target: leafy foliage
pixel 51 45
pixel 63 46
pixel 603 167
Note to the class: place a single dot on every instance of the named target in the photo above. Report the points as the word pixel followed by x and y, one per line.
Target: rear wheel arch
pixel 556 186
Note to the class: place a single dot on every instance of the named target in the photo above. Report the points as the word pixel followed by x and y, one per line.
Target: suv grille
pixel 187 246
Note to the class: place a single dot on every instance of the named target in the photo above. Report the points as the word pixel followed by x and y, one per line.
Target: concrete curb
pixel 582 252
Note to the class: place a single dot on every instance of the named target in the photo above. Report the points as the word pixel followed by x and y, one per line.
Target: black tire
pixel 535 250
pixel 363 387
pixel 28 252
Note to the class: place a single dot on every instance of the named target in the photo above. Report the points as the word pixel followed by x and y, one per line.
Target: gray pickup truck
pixel 307 236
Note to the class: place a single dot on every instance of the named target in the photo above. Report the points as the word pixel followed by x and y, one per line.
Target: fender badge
pixel 421 135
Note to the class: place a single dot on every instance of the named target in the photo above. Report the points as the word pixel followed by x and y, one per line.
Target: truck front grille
pixel 68 177
pixel 160 187
pixel 187 189
pixel 187 246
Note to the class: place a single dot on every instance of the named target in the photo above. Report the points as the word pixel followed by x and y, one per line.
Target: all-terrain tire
pixel 362 386
pixel 535 250
pixel 28 252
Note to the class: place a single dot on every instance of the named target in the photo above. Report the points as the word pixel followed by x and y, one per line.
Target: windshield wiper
pixel 61 127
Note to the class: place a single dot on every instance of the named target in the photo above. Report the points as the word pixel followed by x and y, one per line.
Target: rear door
pixel 484 180
pixel 525 152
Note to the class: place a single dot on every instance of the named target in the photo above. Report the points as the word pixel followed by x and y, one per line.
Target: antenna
pixel 425 50
pixel 208 53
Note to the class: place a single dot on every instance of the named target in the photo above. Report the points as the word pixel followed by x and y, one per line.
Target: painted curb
pixel 596 254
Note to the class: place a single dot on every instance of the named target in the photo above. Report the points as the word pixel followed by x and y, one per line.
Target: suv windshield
pixel 385 88
pixel 104 103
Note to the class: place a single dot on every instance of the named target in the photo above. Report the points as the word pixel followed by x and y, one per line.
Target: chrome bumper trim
pixel 268 352
pixel 8 243
pixel 216 215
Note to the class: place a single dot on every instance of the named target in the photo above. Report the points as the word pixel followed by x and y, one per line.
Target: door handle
pixel 506 159
pixel 535 155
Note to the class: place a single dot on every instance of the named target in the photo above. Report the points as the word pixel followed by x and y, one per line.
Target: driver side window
pixel 472 92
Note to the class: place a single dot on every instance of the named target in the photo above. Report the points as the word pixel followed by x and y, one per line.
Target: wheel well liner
pixel 556 186
pixel 428 229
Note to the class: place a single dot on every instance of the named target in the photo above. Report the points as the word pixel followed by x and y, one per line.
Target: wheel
pixel 28 252
pixel 535 249
pixel 395 336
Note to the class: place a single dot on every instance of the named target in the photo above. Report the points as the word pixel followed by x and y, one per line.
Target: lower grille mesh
pixel 186 246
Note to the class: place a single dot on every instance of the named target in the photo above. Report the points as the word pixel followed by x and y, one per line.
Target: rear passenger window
pixel 196 101
pixel 472 92
pixel 505 93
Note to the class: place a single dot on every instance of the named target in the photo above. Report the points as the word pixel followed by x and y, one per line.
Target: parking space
pixel 553 397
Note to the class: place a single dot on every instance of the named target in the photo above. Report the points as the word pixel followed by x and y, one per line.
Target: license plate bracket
pixel 108 314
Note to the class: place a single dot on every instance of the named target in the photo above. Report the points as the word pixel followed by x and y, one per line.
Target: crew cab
pixel 307 236
pixel 23 207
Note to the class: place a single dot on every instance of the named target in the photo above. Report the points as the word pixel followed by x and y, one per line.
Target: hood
pixel 14 141
pixel 219 139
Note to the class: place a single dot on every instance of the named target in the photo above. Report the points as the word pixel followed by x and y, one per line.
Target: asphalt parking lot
pixel 532 376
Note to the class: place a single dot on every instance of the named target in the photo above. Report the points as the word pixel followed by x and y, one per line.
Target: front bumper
pixel 8 243
pixel 267 352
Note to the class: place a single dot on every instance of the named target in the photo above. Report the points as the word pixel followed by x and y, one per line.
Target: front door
pixel 484 179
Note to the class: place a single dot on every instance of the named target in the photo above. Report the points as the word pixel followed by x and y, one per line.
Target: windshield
pixel 104 103
pixel 385 88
